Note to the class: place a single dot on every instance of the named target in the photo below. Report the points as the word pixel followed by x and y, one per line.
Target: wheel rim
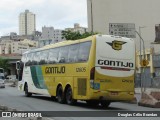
pixel 59 95
pixel 26 90
pixel 69 95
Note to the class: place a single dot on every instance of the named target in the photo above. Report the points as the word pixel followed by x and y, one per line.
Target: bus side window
pixel 24 58
pixel 36 58
pixel 44 57
pixel 53 56
pixel 84 51
pixel 63 54
pixel 73 53
pixel 32 59
pixel 29 61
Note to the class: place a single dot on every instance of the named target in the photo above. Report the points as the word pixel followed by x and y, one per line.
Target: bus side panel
pixel 75 75
pixel 28 77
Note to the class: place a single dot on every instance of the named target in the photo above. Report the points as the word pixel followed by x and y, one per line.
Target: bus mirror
pixel 18 65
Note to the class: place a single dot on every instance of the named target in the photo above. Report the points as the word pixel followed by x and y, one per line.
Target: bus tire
pixel 53 98
pixel 105 103
pixel 60 95
pixel 92 102
pixel 69 97
pixel 27 94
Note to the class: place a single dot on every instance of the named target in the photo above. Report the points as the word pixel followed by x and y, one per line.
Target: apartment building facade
pixel 27 23
pixel 50 35
pixel 77 28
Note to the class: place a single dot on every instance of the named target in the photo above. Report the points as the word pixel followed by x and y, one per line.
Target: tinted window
pixel 24 58
pixel 63 54
pixel 29 59
pixel 84 50
pixel 32 58
pixel 73 53
pixel 36 58
pixel 53 55
pixel 43 57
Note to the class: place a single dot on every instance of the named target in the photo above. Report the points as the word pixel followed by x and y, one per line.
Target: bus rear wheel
pixel 60 95
pixel 27 94
pixel 69 97
pixel 92 102
pixel 105 103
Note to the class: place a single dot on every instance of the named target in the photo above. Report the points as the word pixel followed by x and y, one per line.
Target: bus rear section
pixel 114 69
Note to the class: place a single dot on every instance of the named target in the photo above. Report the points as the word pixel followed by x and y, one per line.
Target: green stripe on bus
pixel 37 77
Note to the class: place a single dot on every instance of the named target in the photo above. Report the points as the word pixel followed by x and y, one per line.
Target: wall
pixel 140 12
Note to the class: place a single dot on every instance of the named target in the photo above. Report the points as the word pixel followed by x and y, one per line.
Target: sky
pixel 59 14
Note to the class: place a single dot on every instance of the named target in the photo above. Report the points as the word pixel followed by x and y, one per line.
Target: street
pixel 13 98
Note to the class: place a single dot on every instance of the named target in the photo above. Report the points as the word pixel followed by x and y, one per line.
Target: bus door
pixel 19 67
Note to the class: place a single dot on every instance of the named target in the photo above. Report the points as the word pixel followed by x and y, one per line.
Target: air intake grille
pixel 82 86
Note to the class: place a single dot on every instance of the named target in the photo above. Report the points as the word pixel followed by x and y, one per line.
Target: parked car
pixel 2 84
pixel 11 78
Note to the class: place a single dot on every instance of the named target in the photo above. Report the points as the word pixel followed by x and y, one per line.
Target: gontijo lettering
pixel 116 63
pixel 55 70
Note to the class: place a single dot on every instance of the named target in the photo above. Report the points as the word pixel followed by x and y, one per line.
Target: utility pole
pixel 141 39
pixel 91 17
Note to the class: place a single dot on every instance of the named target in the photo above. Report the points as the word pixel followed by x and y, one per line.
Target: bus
pixel 98 69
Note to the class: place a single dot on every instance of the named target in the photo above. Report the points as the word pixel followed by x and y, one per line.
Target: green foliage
pixel 68 35
pixel 4 63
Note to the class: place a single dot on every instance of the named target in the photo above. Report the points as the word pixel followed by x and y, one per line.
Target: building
pixel 5 47
pixel 123 17
pixel 77 28
pixel 12 58
pixel 27 23
pixel 13 36
pixel 16 47
pixel 144 73
pixel 50 35
pixel 148 76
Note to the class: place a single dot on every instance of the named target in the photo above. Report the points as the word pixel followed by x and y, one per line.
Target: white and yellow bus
pixel 97 69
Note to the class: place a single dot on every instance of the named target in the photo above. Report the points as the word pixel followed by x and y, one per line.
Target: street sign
pixel 144 62
pixel 122 29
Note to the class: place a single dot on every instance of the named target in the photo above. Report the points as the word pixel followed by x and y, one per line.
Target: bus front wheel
pixel 27 94
pixel 60 95
pixel 69 97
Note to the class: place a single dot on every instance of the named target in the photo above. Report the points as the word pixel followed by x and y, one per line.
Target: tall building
pixel 50 35
pixel 27 24
pixel 123 17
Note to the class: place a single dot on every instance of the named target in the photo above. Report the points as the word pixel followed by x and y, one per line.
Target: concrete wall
pixel 140 12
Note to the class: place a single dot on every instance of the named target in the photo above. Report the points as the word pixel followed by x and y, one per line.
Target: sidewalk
pixel 148 98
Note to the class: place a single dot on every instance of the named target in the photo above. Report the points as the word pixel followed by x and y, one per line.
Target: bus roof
pixel 63 43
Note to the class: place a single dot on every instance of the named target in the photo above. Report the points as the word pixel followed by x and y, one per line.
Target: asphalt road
pixel 13 98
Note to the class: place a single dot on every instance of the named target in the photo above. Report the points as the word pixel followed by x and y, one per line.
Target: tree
pixel 4 63
pixel 68 35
